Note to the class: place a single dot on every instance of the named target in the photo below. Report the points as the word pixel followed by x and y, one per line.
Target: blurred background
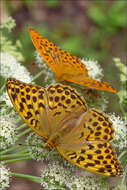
pixel 87 29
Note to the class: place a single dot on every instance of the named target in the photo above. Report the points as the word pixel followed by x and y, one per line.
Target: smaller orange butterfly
pixel 66 66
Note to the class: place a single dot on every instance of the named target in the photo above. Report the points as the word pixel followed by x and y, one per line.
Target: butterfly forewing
pixel 44 110
pixel 29 100
pixel 60 61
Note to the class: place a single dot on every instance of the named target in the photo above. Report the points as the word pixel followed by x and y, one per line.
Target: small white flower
pixel 48 73
pixel 7 131
pixel 5 98
pixel 120 139
pixel 103 103
pixel 94 69
pixel 10 67
pixel 119 187
pixel 58 177
pixel 39 60
pixel 37 149
pixel 55 177
pixel 11 113
pixel 4 177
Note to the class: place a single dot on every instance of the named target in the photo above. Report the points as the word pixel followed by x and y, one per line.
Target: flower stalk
pixel 16 160
pixel 28 177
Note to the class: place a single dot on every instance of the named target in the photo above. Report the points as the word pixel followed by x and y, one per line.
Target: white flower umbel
pixel 7 131
pixel 102 103
pixel 57 177
pixel 48 73
pixel 10 67
pixel 37 149
pixel 4 177
pixel 8 112
pixel 94 69
pixel 120 139
pixel 5 98
pixel 39 60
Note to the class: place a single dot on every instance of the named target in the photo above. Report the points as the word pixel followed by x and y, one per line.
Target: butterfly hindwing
pixel 95 156
pixel 90 82
pixel 97 126
pixel 87 145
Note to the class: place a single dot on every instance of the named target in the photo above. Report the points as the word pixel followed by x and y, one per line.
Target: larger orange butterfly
pixel 66 66
pixel 61 117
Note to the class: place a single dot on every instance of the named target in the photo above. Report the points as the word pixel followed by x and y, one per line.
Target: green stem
pixel 9 149
pixel 18 119
pixel 28 177
pixel 37 76
pixel 121 108
pixel 124 176
pixel 21 154
pixel 16 160
pixel 23 133
pixel 120 156
pixel 21 126
pixel 2 88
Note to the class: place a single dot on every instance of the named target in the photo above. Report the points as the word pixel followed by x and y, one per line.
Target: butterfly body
pixel 61 117
pixel 66 66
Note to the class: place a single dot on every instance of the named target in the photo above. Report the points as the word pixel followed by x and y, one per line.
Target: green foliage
pixel 72 44
pixel 28 2
pixel 109 16
pixel 123 87
pixel 8 25
pixel 52 3
pixel 6 43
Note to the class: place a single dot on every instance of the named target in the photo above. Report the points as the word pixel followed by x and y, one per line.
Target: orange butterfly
pixel 66 66
pixel 61 117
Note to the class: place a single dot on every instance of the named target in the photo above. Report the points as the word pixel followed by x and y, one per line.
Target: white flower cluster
pixel 57 177
pixel 102 103
pixel 94 69
pixel 48 73
pixel 7 131
pixel 4 177
pixel 36 148
pixel 5 98
pixel 119 187
pixel 9 112
pixel 10 67
pixel 120 139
